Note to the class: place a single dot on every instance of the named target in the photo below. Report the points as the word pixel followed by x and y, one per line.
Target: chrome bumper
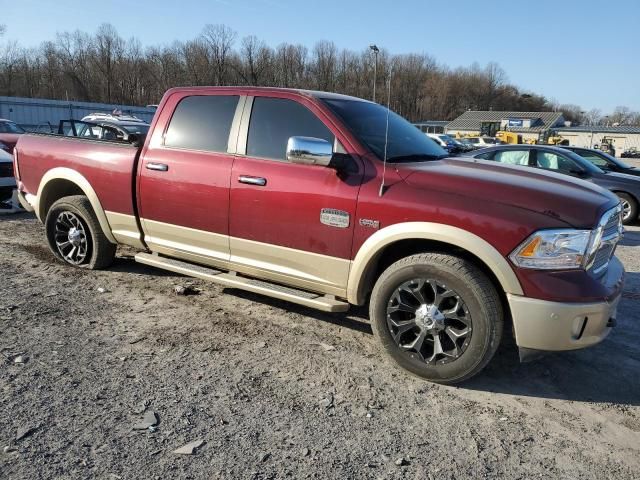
pixel 555 326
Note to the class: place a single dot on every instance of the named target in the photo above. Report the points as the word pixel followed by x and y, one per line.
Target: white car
pixel 7 178
pixel 482 142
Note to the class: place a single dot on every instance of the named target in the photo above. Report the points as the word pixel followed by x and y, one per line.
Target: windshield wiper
pixel 415 158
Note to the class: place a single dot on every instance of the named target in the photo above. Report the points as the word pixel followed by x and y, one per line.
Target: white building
pixel 623 138
pixel 531 126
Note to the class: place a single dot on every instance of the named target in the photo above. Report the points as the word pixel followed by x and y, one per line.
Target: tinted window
pixel 485 156
pixel 274 120
pixel 552 161
pixel 368 122
pixel 512 157
pixel 202 123
pixel 594 158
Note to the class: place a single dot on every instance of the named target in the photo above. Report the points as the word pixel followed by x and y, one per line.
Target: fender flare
pixel 371 249
pixel 62 173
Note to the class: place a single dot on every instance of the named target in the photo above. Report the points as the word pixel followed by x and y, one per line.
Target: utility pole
pixel 375 51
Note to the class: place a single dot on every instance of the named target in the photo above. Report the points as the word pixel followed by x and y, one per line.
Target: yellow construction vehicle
pixel 509 137
pixel 557 140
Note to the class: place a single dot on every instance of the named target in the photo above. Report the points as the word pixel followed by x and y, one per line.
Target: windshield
pixel 10 127
pixel 586 164
pixel 367 121
pixel 447 139
pixel 613 159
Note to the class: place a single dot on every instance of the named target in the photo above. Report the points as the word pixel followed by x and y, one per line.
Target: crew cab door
pixel 184 176
pixel 289 222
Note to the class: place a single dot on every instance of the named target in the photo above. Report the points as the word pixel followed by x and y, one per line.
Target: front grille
pixel 6 170
pixel 612 226
pixel 611 232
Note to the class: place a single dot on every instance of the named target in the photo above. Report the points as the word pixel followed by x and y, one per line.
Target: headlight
pixel 553 250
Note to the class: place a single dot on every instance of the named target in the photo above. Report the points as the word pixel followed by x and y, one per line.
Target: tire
pixel 75 212
pixel 630 208
pixel 464 290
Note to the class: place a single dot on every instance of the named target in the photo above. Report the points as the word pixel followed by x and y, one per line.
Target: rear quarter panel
pixel 107 166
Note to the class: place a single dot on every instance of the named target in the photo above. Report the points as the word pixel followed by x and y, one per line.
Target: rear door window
pixel 274 120
pixel 512 157
pixel 553 161
pixel 202 122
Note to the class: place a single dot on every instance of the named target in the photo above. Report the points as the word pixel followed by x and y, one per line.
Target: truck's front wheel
pixel 75 236
pixel 438 316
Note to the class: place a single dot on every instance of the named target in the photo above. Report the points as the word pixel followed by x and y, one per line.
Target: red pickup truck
pixel 329 201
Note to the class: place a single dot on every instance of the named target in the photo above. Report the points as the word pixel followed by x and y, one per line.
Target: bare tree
pixel 219 40
pixel 104 67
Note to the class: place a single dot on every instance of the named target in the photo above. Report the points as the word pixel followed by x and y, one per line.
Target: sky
pixel 581 52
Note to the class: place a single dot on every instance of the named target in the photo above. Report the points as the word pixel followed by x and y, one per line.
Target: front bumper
pixel 555 326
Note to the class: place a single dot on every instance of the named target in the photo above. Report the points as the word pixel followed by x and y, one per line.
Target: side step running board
pixel 226 279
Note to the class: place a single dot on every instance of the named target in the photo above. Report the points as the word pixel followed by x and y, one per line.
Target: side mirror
pixel 309 151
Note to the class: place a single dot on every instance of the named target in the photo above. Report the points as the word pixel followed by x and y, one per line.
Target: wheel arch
pixel 414 237
pixel 62 182
pixel 634 196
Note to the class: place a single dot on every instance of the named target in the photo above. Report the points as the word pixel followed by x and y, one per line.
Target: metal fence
pixel 37 114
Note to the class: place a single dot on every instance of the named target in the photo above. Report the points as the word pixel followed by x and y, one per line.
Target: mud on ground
pixel 279 391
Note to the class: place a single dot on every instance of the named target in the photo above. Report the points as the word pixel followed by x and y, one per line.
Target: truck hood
pixel 574 201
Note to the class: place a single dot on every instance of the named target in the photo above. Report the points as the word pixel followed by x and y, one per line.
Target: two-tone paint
pixel 199 210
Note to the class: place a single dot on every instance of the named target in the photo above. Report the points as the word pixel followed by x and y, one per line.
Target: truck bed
pixel 108 166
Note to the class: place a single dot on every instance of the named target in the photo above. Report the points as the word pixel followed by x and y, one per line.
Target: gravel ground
pixel 278 391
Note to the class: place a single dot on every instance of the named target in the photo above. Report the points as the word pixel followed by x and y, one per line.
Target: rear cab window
pixel 202 122
pixel 274 120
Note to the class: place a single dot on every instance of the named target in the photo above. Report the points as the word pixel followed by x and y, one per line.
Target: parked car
pixel 604 161
pixel 632 152
pixel 446 142
pixel 10 132
pixel 99 131
pixel 112 127
pixel 7 179
pixel 468 145
pixel 482 142
pixel 286 193
pixel 560 160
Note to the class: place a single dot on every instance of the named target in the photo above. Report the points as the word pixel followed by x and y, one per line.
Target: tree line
pixel 104 67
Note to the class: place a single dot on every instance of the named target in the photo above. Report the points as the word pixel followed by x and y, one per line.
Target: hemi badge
pixel 365 222
pixel 334 218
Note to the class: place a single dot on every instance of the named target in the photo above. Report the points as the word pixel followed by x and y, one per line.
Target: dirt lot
pixel 279 391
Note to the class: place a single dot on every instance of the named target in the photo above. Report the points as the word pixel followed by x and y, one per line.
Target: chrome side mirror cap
pixel 309 151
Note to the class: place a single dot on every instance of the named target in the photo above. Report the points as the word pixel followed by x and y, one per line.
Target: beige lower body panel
pixel 176 240
pixel 305 270
pixel 124 229
pixel 555 326
pixel 281 264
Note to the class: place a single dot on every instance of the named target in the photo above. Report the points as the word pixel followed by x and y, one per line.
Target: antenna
pixel 386 132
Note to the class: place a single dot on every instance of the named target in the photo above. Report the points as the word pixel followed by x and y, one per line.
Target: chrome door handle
pixel 160 167
pixel 260 181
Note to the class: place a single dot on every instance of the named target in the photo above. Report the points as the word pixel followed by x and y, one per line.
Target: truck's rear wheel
pixel 438 316
pixel 74 234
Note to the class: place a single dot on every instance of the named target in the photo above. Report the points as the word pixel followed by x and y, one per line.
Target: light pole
pixel 375 51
